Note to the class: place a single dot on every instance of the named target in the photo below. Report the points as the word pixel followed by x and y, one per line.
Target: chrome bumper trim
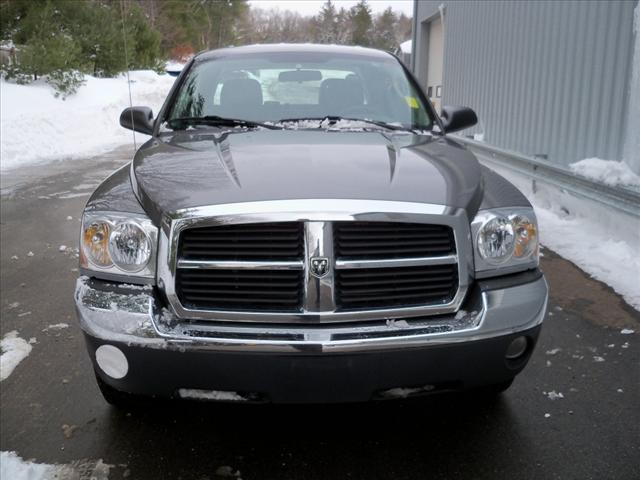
pixel 133 318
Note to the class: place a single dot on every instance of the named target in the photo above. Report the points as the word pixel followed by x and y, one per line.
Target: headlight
pixel 505 241
pixel 130 247
pixel 496 240
pixel 118 244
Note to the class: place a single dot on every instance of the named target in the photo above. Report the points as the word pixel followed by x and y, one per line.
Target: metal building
pixel 554 80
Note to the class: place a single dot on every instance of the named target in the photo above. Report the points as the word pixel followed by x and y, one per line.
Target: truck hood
pixel 198 168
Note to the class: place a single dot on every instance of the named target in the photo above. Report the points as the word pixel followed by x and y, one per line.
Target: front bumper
pixel 315 363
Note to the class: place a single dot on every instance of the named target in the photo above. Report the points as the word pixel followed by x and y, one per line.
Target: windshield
pixel 294 87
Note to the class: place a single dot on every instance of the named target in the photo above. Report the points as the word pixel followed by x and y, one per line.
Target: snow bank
pixel 592 236
pixel 14 350
pixel 12 467
pixel 36 127
pixel 609 172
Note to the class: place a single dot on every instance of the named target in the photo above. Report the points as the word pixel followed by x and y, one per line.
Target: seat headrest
pixel 337 93
pixel 239 96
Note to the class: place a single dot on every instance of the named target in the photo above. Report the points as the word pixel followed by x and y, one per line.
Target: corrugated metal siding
pixel 545 77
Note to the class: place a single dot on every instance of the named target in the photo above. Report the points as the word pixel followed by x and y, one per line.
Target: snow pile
pixel 405 47
pixel 36 127
pixel 609 172
pixel 14 350
pixel 12 467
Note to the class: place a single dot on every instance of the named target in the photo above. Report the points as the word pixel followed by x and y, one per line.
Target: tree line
pixel 61 40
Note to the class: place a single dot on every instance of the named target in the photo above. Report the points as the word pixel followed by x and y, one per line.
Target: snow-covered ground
pixel 14 350
pixel 600 241
pixel 12 467
pixel 36 127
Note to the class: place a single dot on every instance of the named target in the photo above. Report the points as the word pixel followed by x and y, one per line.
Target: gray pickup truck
pixel 301 228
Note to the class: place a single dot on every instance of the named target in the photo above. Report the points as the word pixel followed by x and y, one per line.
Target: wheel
pixel 115 397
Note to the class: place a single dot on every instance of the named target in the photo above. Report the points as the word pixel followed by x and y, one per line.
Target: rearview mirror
pixel 457 118
pixel 300 76
pixel 139 119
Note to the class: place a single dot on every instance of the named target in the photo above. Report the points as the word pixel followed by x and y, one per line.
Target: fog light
pixel 112 361
pixel 516 348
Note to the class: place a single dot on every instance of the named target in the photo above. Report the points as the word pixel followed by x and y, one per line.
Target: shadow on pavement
pixel 440 434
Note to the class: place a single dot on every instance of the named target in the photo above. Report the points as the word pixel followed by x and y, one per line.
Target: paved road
pixel 51 409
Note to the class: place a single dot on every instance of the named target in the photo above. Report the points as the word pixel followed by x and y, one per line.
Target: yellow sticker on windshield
pixel 412 102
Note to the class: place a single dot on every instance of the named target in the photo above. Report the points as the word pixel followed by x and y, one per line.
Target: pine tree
pixel 361 24
pixel 327 23
pixel 384 32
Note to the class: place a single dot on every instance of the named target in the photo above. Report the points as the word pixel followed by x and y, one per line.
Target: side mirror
pixel 139 119
pixel 457 118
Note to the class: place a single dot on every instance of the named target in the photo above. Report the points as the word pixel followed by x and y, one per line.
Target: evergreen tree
pixel 202 24
pixel 361 24
pixel 49 50
pixel 327 23
pixel 384 32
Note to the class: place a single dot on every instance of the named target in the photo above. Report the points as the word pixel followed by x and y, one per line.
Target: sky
pixel 311 7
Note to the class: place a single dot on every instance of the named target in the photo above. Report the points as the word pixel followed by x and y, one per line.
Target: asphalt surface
pixel 51 409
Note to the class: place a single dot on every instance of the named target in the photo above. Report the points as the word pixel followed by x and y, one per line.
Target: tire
pixel 118 399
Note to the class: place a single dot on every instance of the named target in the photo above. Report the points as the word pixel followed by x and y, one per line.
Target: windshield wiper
pixel 216 120
pixel 336 118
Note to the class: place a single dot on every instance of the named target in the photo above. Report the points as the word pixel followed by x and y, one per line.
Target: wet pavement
pixel 51 409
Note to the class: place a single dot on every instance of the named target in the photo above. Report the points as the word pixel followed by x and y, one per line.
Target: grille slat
pixel 380 253
pixel 400 281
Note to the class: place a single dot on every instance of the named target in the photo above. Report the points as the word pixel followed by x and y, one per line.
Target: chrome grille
pixel 239 262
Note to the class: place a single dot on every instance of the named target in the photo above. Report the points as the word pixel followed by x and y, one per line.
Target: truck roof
pixel 292 48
